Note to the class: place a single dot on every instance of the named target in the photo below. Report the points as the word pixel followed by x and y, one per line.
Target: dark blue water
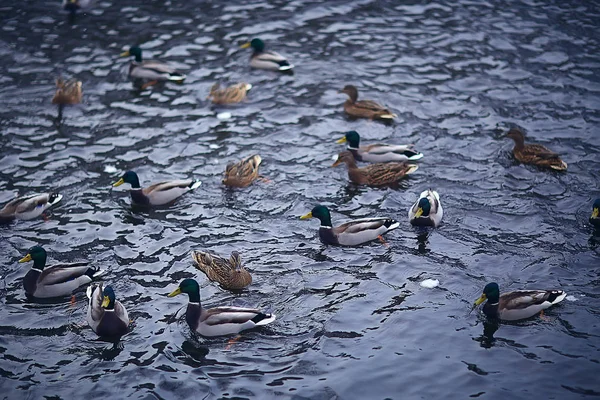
pixel 354 323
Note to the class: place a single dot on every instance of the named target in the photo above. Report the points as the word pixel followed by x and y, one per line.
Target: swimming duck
pixel 242 173
pixel 595 217
pixel 374 174
pixel 534 154
pixel 520 304
pixel 218 321
pixel 55 280
pixel 156 194
pixel 232 94
pixel 364 108
pixel 28 207
pixel 105 315
pixel 67 92
pixel 378 152
pixel 263 59
pixel 427 210
pixel 351 233
pixel 229 273
pixel 150 71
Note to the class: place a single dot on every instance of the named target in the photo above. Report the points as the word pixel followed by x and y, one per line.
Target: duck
pixel 218 321
pixel 263 59
pixel 595 217
pixel 56 280
pixel 427 210
pixel 378 153
pixel 150 71
pixel 364 108
pixel 534 154
pixel 379 174
pixel 106 316
pixel 157 194
pixel 242 173
pixel 229 95
pixel 229 273
pixel 68 92
pixel 72 6
pixel 351 233
pixel 28 207
pixel 517 305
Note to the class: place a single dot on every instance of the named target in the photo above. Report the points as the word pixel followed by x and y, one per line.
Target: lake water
pixel 353 323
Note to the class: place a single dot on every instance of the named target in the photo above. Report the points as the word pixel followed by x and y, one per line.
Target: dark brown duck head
pixel 345 157
pixel 351 91
pixel 516 135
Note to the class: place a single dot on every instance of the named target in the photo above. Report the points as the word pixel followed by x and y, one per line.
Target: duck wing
pixel 61 273
pixel 230 315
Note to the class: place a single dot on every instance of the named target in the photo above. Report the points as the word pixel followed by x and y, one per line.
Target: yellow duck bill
pixel 307 216
pixel 174 293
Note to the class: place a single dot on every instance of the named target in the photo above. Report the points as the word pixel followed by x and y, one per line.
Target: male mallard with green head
pixel 157 194
pixel 150 72
pixel 263 59
pixel 351 233
pixel 106 315
pixel 378 153
pixel 520 304
pixel 56 280
pixel 218 321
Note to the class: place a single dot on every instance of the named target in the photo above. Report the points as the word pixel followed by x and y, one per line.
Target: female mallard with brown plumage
pixel 145 73
pixel 229 95
pixel 379 174
pixel 28 207
pixel 351 233
pixel 364 108
pixel 520 304
pixel 157 194
pixel 534 154
pixel 229 273
pixel 67 92
pixel 242 173
pixel 378 152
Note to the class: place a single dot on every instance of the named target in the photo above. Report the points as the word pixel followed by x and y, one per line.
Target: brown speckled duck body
pixel 534 154
pixel 364 108
pixel 379 174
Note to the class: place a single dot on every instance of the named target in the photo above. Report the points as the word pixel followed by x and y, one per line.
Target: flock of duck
pixel 387 164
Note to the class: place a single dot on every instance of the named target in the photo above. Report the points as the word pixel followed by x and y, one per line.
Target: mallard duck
pixel 364 108
pixel 219 320
pixel 105 315
pixel 230 274
pixel 242 173
pixel 595 217
pixel 72 6
pixel 156 194
pixel 28 207
pixel 263 59
pixel 534 154
pixel 379 174
pixel 427 210
pixel 229 95
pixel 150 71
pixel 351 233
pixel 55 280
pixel 67 92
pixel 379 152
pixel 520 304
